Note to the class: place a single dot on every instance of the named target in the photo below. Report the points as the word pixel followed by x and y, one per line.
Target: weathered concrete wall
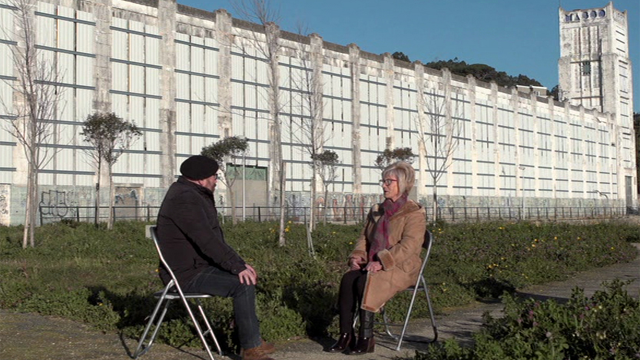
pixel 190 77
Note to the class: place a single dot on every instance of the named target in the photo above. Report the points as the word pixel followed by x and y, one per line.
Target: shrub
pixel 604 326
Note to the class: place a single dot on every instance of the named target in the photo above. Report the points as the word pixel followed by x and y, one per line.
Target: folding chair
pixel 173 291
pixel 421 285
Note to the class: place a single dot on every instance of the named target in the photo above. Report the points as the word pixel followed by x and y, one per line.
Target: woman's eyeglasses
pixel 387 181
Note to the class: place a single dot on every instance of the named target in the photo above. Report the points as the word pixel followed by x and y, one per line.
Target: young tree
pixel 440 130
pixel 390 156
pixel 327 164
pixel 307 129
pixel 224 152
pixel 37 101
pixel 263 13
pixel 109 136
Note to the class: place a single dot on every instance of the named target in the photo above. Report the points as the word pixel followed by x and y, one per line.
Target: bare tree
pixel 327 165
pixel 263 13
pixel 110 136
pixel 224 152
pixel 307 129
pixel 37 101
pixel 439 135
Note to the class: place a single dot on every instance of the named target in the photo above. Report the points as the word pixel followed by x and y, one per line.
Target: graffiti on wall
pixel 55 203
pixel 4 205
pixel 338 206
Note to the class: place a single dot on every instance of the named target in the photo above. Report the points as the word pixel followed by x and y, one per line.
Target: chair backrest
pixel 426 244
pixel 154 235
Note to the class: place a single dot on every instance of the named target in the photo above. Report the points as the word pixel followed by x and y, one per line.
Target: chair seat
pixel 175 295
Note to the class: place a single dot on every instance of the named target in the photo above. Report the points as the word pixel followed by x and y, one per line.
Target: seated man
pixel 193 244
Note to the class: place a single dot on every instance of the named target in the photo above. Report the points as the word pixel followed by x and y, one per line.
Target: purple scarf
pixel 380 239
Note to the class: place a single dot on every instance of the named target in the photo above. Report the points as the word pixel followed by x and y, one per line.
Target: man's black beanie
pixel 198 167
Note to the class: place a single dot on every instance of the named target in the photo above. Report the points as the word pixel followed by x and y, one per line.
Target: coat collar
pixel 409 206
pixel 197 187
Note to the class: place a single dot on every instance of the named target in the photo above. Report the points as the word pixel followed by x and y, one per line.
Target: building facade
pixel 189 78
pixel 595 72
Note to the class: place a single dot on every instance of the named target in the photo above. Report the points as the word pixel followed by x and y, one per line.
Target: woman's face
pixel 390 187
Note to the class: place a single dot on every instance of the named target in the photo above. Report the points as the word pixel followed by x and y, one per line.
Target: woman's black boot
pixel 344 340
pixel 366 342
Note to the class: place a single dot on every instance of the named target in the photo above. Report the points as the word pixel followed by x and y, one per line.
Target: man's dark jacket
pixel 190 236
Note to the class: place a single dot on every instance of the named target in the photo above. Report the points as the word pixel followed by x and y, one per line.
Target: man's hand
pixel 373 266
pixel 248 276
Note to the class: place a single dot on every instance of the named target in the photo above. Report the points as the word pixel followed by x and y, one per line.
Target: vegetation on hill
pixel 481 72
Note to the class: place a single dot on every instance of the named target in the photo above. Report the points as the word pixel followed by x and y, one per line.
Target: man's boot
pixel 366 342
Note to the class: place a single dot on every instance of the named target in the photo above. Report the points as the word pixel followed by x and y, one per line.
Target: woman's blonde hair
pixel 404 172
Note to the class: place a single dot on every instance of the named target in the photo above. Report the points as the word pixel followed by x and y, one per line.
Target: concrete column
pixel 224 37
pixel 277 167
pixel 102 69
pixel 20 160
pixel 496 145
pixel 583 158
pixel 354 63
pixel 568 166
pixel 166 26
pixel 389 113
pixel 536 143
pixel 421 178
pixel 317 90
pixel 446 84
pixel 471 90
pixel 520 173
pixel 554 147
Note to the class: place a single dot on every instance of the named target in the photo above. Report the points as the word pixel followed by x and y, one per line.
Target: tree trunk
pixel 281 239
pixel 110 221
pixel 96 215
pixel 435 204
pixel 34 208
pixel 232 202
pixel 313 199
pixel 326 202
pixel 27 217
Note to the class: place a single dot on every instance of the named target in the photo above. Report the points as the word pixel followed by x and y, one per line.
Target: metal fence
pixel 344 214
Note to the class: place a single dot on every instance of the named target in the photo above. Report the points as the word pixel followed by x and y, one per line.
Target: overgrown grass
pixel 106 278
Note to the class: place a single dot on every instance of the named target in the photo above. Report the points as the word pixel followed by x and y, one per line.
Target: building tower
pixel 595 72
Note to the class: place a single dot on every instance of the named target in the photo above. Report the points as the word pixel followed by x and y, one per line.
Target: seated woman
pixel 386 258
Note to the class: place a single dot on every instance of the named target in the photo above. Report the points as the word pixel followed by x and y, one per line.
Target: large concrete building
pixel 189 77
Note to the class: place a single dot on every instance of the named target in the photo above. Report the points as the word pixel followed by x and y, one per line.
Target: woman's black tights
pixel 349 297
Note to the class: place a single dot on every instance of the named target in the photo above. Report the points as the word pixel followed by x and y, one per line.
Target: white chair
pixel 173 291
pixel 421 285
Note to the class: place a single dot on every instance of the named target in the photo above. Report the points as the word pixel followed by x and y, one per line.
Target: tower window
pixel 586 68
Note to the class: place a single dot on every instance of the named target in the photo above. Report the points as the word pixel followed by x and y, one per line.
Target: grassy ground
pixel 105 278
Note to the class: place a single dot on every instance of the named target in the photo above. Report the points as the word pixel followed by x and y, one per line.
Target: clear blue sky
pixel 514 36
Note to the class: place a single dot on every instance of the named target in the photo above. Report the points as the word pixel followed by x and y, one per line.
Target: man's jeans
pixel 222 283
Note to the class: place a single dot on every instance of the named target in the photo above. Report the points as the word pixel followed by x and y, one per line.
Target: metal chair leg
pixel 142 348
pixel 209 329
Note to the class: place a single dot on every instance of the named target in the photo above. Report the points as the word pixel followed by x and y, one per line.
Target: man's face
pixel 210 182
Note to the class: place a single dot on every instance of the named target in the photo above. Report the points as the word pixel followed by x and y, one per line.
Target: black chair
pixel 420 286
pixel 173 291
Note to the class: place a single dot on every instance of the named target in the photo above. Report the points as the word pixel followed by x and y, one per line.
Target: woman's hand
pixel 373 266
pixel 355 263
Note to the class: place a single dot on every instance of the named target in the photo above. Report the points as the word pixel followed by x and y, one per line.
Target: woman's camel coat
pixel 401 262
